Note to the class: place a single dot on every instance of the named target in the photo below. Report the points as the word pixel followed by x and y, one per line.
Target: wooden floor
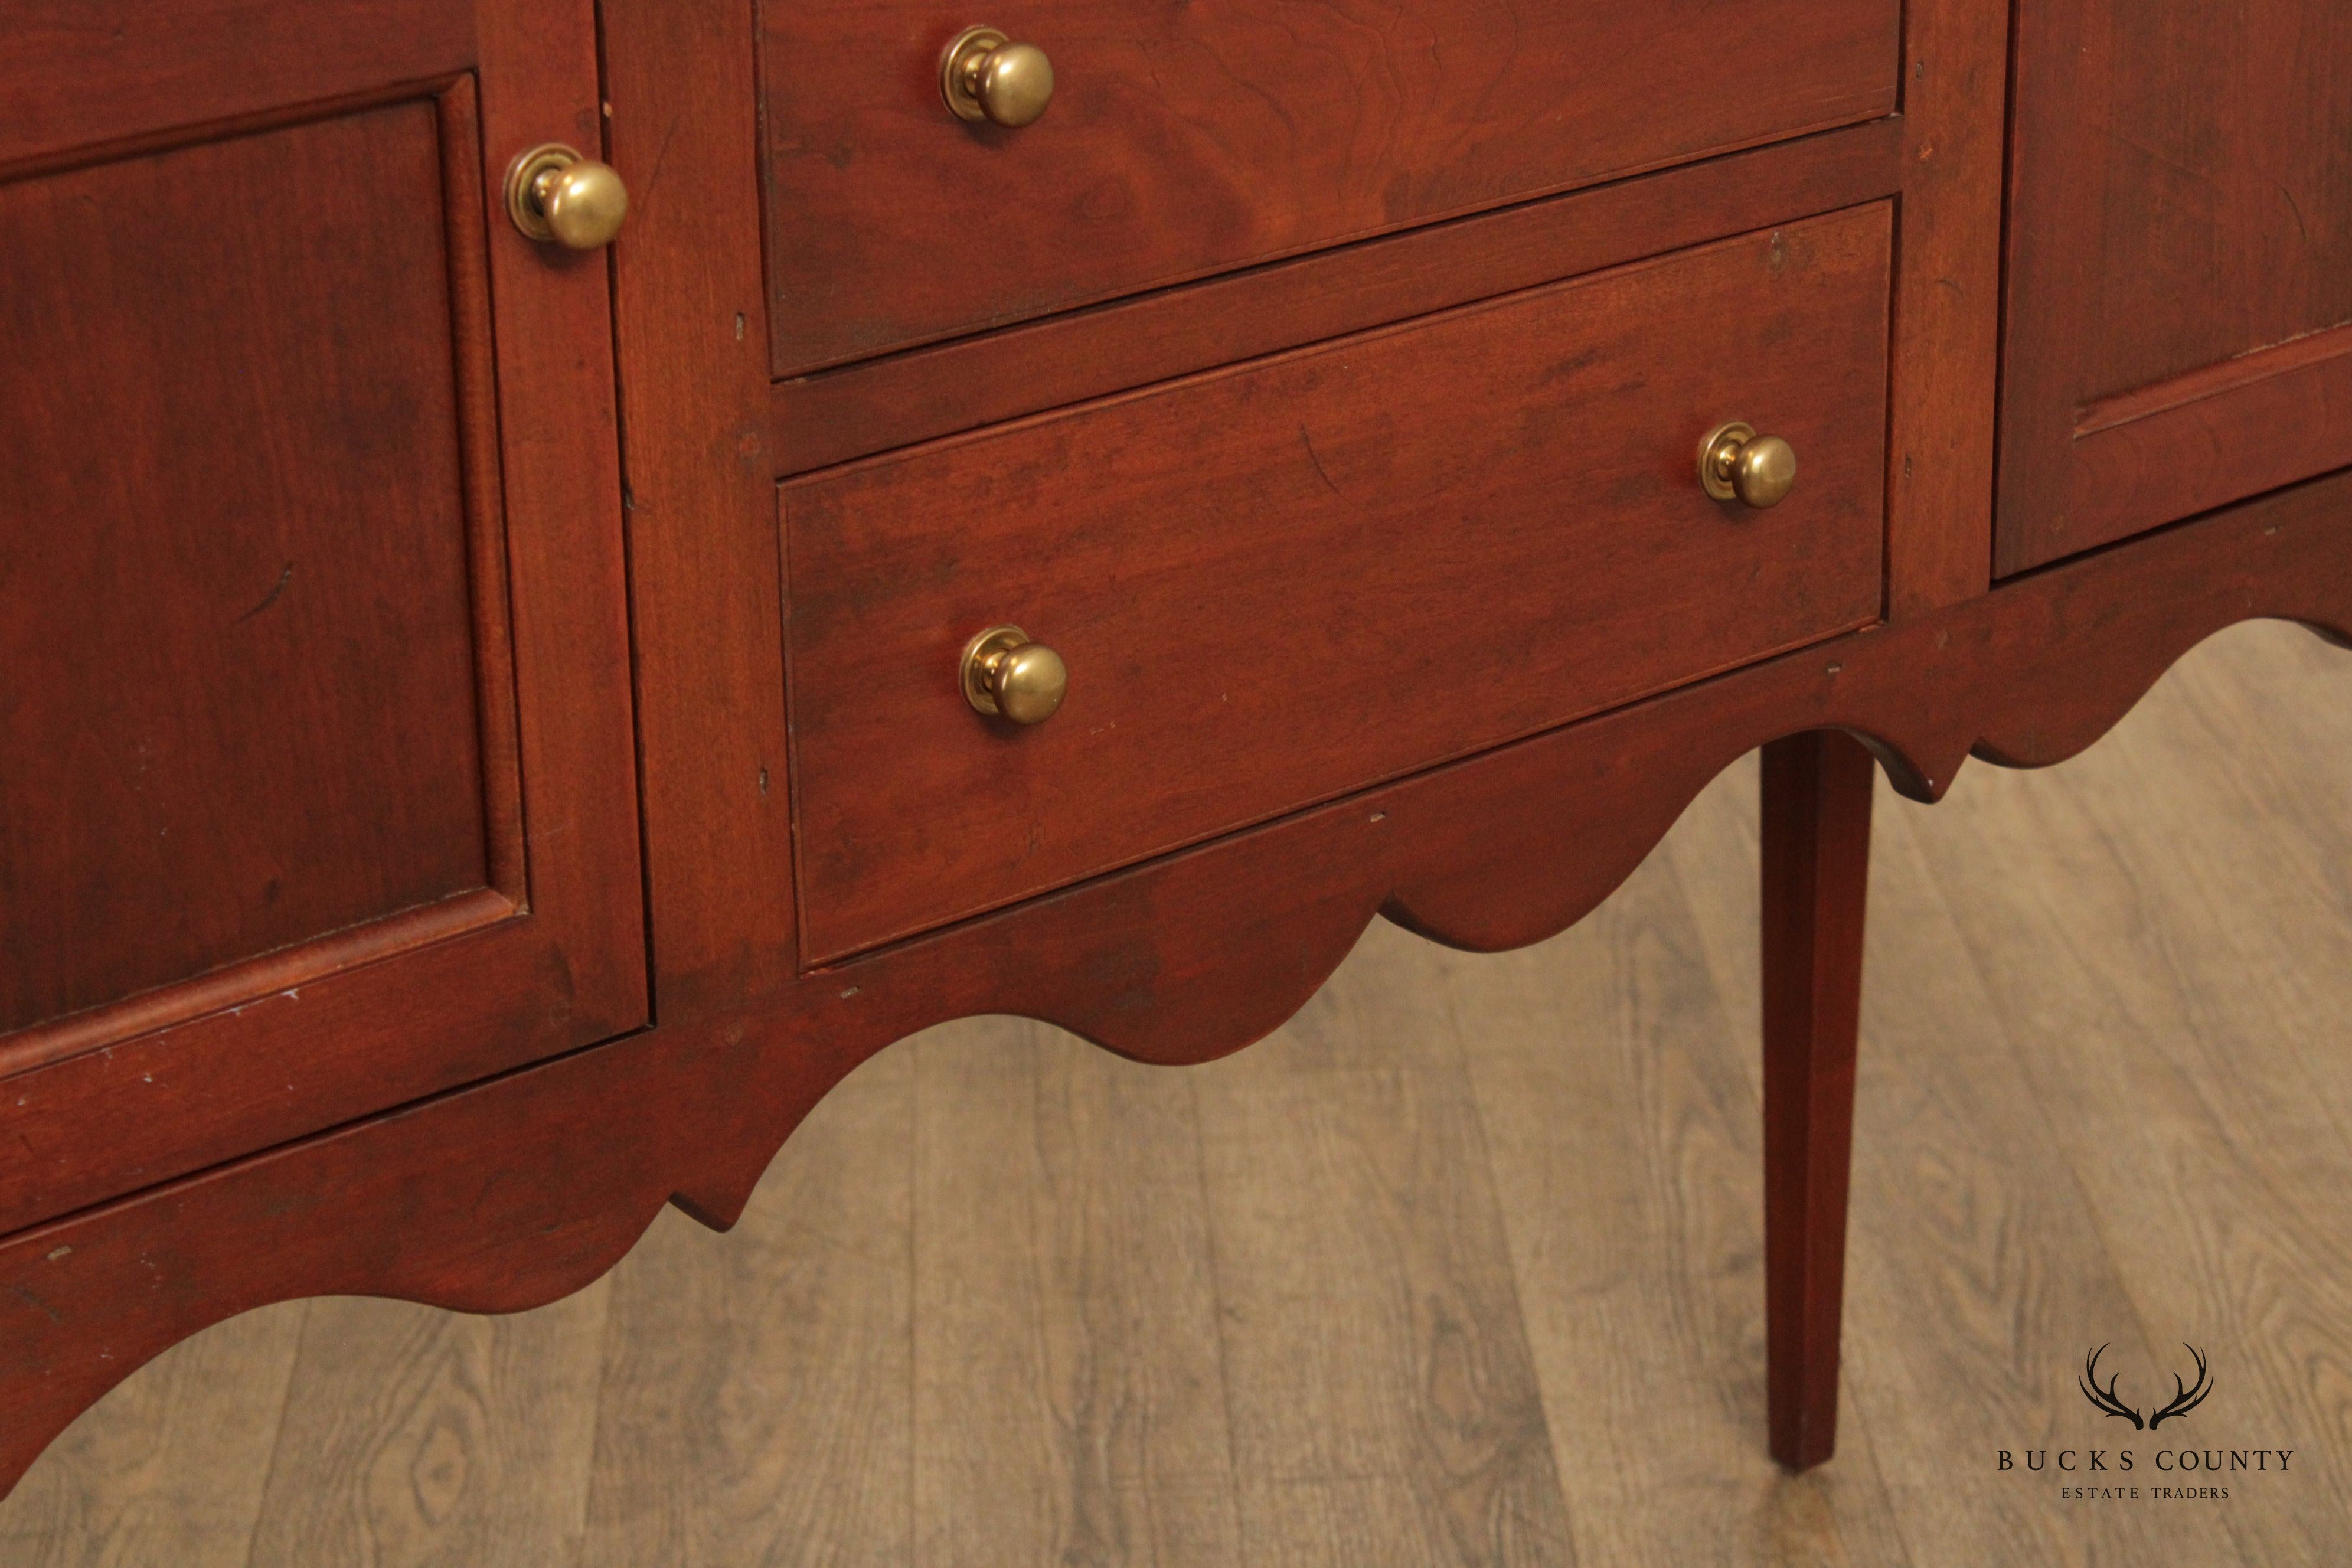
pixel 1463 1267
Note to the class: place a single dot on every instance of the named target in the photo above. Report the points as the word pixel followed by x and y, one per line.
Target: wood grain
pixel 1194 139
pixel 2180 202
pixel 236 617
pixel 1815 824
pixel 1444 1457
pixel 1616 1070
pixel 1180 961
pixel 757 1401
pixel 1617 1079
pixel 522 646
pixel 2161 1016
pixel 173 63
pixel 1258 577
pixel 1356 1136
pixel 535 1178
pixel 1940 448
pixel 690 338
pixel 1974 1269
pixel 174 1469
pixel 2246 425
pixel 1065 1312
pixel 418 1437
pixel 854 411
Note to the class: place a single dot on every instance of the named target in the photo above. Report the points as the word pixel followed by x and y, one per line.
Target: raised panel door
pixel 2180 315
pixel 316 794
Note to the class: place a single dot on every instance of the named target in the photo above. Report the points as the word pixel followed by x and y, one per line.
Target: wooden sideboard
pixel 572 572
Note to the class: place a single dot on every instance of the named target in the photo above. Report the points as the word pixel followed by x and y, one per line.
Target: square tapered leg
pixel 1816 842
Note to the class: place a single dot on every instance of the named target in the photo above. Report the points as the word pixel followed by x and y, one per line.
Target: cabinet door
pixel 316 777
pixel 2179 321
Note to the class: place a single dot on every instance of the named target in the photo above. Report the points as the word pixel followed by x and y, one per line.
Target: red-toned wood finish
pixel 1947 304
pixel 1309 185
pixel 2180 249
pixel 1815 825
pixel 1943 155
pixel 517 1191
pixel 1408 545
pixel 1192 139
pixel 694 339
pixel 703 549
pixel 238 719
pixel 858 410
pixel 690 328
pixel 78 75
pixel 317 796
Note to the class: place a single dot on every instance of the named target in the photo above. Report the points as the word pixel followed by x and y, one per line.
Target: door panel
pixel 2181 254
pixel 240 630
pixel 80 74
pixel 317 795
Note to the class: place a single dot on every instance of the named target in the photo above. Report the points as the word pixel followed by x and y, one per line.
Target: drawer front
pixel 1285 580
pixel 1181 140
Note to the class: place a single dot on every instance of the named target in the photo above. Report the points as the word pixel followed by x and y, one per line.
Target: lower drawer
pixel 1288 579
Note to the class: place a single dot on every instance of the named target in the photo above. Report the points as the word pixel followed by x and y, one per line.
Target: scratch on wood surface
pixel 1315 457
pixel 34 1302
pixel 269 598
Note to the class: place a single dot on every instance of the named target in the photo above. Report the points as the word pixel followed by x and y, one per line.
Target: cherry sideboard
pixel 572 571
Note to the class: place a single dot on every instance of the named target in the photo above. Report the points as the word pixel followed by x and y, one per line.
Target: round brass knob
pixel 556 195
pixel 1736 464
pixel 985 76
pixel 1009 677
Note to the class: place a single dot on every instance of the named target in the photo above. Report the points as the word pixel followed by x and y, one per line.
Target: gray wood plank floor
pixel 1463 1267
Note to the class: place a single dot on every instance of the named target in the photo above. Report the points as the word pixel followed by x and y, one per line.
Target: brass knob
pixel 555 194
pixel 1007 676
pixel 1736 464
pixel 986 75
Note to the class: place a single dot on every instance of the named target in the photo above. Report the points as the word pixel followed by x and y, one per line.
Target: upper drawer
pixel 1281 581
pixel 1189 138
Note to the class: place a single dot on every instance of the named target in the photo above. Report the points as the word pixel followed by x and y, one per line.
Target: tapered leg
pixel 1816 832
